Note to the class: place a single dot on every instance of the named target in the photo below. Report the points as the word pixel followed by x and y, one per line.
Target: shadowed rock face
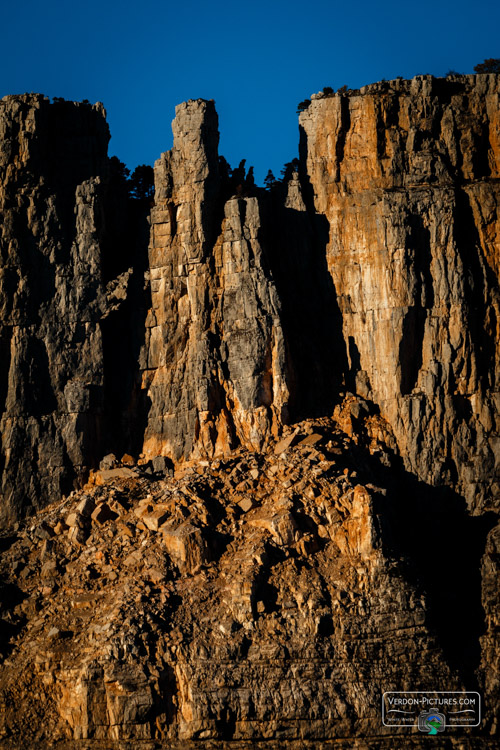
pixel 52 159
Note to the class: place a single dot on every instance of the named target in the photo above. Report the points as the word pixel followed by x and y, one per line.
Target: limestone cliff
pixel 406 173
pixel 71 301
pixel 216 372
pixel 304 382
pixel 377 272
pixel 52 158
pixel 374 270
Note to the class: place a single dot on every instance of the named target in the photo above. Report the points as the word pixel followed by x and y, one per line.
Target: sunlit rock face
pixel 406 173
pixel 373 269
pixel 216 372
pixel 298 393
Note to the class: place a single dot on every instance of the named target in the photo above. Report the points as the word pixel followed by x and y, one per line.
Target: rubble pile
pixel 245 599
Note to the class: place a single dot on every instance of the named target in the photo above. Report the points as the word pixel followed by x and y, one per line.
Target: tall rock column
pixel 216 371
pixel 407 174
pixel 52 157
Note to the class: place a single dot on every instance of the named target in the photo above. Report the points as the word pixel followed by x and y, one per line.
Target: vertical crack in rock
pixel 216 374
pixel 52 160
pixel 413 254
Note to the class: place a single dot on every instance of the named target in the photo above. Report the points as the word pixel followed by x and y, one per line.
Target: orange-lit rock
pixel 216 372
pixel 406 173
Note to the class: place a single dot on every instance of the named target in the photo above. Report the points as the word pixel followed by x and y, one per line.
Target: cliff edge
pixel 250 450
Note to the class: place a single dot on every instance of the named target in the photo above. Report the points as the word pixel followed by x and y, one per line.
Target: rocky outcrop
pixel 406 173
pixel 71 301
pixel 256 598
pixel 216 373
pixel 305 383
pixel 52 158
pixel 373 269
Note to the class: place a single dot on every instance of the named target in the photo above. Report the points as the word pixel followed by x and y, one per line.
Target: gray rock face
pixel 216 373
pixel 52 158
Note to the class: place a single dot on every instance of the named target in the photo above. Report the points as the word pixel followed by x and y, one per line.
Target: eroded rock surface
pixel 303 387
pixel 52 157
pixel 216 372
pixel 264 597
pixel 406 173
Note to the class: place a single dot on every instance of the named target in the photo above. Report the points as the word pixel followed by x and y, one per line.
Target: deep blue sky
pixel 256 59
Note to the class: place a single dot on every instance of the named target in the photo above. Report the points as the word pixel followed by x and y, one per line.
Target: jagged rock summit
pixel 216 369
pixel 298 380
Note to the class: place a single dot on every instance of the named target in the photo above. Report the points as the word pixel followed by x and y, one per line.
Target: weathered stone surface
pixel 108 462
pixel 64 401
pixel 279 626
pixel 186 545
pixel 233 347
pixel 285 443
pixel 216 371
pixel 407 174
pixel 108 475
pixel 279 523
pixel 52 158
pixel 103 513
pixel 268 584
